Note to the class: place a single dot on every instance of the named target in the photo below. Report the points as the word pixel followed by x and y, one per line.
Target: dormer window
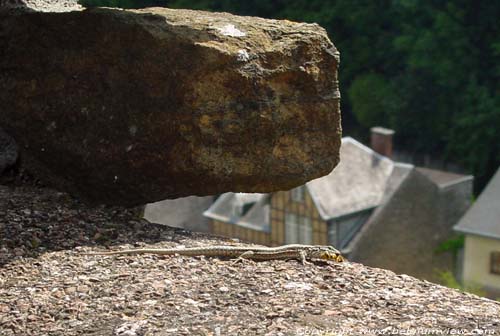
pixel 242 204
pixel 298 194
pixel 237 210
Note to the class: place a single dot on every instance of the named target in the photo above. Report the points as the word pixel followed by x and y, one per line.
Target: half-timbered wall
pixel 282 203
pixel 237 231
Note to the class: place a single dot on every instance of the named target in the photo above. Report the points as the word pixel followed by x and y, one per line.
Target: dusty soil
pixel 47 287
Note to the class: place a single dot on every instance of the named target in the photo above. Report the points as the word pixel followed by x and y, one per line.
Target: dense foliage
pixel 428 69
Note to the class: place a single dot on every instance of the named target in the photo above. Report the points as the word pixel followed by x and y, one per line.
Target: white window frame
pixel 291 228
pixel 237 210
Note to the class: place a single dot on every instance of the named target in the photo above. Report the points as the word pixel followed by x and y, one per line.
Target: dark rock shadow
pixel 35 220
pixel 11 6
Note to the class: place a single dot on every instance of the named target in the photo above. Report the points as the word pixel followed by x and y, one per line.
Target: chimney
pixel 381 140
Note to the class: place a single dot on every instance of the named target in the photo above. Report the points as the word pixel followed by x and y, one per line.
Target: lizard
pixel 292 251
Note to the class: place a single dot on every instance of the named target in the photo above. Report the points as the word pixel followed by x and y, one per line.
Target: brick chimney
pixel 381 140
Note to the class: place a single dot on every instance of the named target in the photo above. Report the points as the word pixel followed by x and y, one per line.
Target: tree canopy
pixel 429 69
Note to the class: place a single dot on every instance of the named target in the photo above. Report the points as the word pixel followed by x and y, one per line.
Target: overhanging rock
pixel 134 106
pixel 8 151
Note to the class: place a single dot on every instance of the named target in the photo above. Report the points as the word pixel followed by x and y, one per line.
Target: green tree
pixel 446 278
pixel 373 100
pixel 452 95
pixel 475 134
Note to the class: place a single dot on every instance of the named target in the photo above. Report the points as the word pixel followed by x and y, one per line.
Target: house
pixel 184 212
pixel 481 227
pixel 376 211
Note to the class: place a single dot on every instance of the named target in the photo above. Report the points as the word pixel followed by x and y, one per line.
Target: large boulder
pixel 133 106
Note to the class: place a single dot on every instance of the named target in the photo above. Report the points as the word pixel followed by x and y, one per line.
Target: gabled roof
pixel 483 218
pixel 400 174
pixel 409 225
pixel 225 209
pixel 443 179
pixel 357 183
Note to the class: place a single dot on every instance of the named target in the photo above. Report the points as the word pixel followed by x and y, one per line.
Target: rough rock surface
pixel 8 151
pixel 131 107
pixel 47 287
pixel 40 5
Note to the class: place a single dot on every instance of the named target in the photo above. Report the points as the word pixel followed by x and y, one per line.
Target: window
pixel 349 226
pixel 298 194
pixel 237 210
pixel 333 238
pixel 305 230
pixel 342 230
pixel 240 209
pixel 495 263
pixel 291 229
pixel 298 229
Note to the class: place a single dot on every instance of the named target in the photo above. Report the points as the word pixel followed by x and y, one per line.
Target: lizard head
pixel 327 253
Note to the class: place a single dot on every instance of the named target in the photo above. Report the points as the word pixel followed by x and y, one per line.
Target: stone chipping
pixel 47 287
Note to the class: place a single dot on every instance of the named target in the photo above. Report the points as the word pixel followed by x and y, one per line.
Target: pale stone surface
pixel 40 5
pixel 131 107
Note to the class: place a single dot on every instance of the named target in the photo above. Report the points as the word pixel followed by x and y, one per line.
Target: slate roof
pixel 399 174
pixel 410 224
pixel 483 218
pixel 357 183
pixel 443 178
pixel 184 212
pixel 257 218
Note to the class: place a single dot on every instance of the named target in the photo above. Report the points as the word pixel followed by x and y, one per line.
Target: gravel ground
pixel 47 287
